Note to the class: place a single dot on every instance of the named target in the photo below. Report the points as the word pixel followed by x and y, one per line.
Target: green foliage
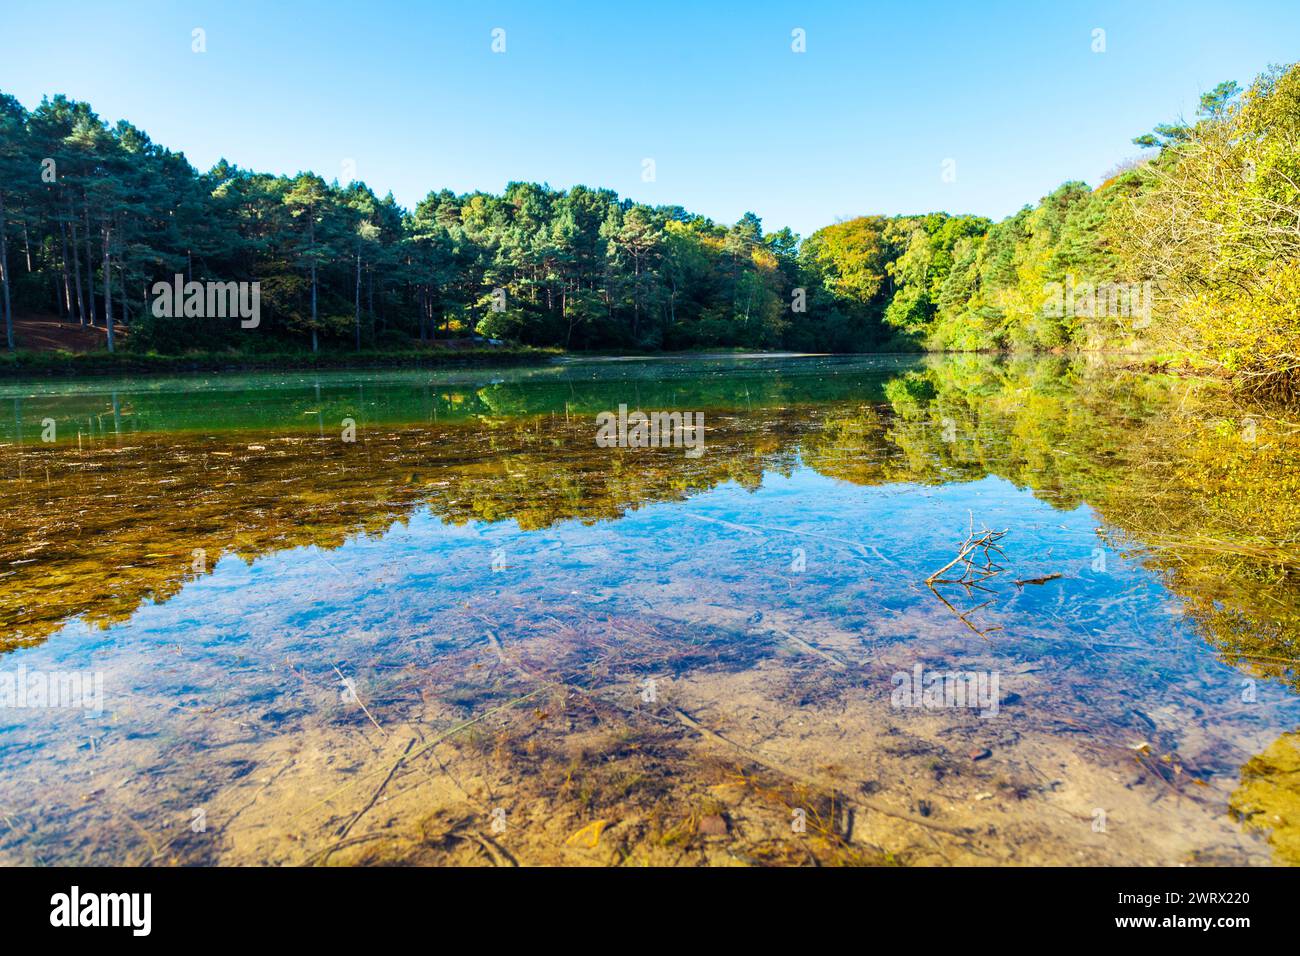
pixel 1211 223
pixel 1218 224
pixel 338 265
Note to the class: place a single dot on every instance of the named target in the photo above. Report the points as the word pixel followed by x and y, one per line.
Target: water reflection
pixel 473 636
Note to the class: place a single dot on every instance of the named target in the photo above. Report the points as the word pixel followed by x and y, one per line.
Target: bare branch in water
pixel 976 558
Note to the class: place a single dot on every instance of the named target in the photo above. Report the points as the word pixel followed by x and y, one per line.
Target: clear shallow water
pixel 472 636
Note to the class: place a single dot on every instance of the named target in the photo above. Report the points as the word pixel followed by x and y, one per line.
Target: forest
pixel 1191 250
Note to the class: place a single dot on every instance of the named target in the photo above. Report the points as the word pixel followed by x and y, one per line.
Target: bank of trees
pixel 1219 225
pixel 94 214
pixel 1193 251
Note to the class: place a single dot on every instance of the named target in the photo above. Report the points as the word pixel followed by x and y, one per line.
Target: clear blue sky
pixel 735 121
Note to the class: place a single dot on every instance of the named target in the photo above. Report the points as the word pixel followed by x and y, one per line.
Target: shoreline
pixel 52 365
pixel 56 365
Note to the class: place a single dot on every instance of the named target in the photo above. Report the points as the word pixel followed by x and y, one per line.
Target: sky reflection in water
pixel 768 593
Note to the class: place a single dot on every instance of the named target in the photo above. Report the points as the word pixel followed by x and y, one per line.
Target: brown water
pixel 473 636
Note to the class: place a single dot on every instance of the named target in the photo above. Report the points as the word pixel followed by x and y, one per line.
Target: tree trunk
pixel 636 299
pixel 76 268
pixel 315 345
pixel 121 274
pixel 357 308
pixel 430 312
pixel 67 280
pixel 4 277
pixel 672 314
pixel 90 270
pixel 108 286
pixel 311 233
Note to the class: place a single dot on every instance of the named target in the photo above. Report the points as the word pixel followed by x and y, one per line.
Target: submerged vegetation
pixel 688 713
pixel 1193 253
pixel 1205 488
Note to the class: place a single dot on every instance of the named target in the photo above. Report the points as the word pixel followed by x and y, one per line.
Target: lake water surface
pixel 423 617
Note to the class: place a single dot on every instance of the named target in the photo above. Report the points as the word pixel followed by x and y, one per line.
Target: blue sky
pixel 412 93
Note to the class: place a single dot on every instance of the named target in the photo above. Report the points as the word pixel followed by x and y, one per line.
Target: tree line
pixel 92 215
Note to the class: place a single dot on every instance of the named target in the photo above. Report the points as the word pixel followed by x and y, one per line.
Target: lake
pixel 876 610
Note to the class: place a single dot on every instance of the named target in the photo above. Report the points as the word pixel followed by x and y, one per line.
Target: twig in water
pixel 1043 580
pixel 348 684
pixel 986 542
pixel 974 572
